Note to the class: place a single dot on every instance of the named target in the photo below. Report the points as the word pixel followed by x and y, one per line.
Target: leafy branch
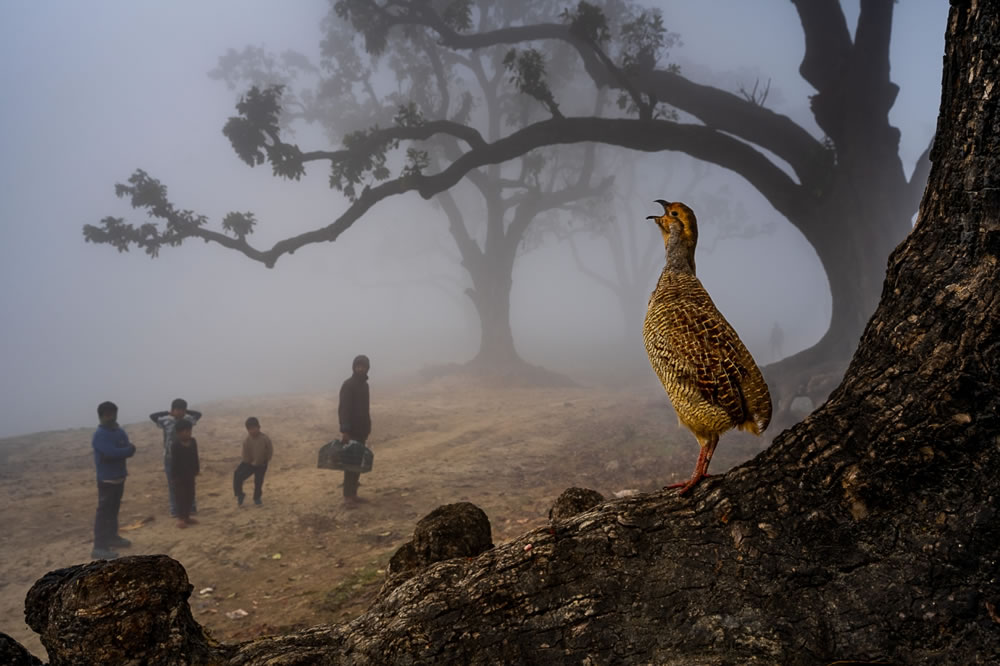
pixel 255 133
pixel 527 73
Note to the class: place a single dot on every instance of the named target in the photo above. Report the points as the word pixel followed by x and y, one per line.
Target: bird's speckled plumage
pixel 710 377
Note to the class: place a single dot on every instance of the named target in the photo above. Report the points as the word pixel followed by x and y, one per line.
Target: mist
pixel 96 90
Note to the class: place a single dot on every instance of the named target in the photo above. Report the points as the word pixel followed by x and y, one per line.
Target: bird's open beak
pixel 662 203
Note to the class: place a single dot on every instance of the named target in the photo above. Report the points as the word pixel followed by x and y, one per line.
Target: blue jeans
pixel 172 494
pixel 109 501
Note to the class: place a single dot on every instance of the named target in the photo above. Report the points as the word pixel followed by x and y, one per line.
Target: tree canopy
pixel 845 191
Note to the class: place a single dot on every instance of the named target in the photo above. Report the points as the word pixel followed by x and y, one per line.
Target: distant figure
pixel 184 467
pixel 111 449
pixel 777 340
pixel 166 422
pixel 257 452
pixel 355 420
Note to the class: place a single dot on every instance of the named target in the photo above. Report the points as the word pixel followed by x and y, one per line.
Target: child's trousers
pixel 184 495
pixel 243 472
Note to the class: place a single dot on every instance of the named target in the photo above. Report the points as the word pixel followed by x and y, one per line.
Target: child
pixel 166 422
pixel 111 449
pixel 257 452
pixel 183 468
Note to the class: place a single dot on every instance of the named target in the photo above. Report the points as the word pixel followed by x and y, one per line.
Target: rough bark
pixel 867 532
pixel 132 610
pixel 13 653
pixel 574 501
pixel 452 530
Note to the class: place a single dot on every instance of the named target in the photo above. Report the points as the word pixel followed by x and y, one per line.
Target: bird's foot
pixel 686 486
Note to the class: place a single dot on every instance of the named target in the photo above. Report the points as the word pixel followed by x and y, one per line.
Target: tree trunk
pixel 868 532
pixel 859 218
pixel 491 296
pixel 491 270
pixel 853 234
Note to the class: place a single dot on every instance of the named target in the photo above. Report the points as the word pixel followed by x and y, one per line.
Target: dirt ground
pixel 301 558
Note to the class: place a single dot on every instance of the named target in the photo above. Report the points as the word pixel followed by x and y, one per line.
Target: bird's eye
pixel 673 213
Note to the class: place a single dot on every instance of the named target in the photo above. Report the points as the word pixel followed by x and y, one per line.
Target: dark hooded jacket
pixel 355 419
pixel 185 460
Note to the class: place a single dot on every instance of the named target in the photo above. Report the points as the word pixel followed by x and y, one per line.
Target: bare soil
pixel 302 558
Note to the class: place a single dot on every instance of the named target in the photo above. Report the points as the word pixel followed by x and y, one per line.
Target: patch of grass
pixel 364 582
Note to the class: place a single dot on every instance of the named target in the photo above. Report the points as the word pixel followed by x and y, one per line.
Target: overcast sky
pixel 94 90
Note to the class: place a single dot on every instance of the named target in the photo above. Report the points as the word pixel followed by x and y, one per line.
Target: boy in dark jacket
pixel 111 449
pixel 257 452
pixel 184 467
pixel 166 421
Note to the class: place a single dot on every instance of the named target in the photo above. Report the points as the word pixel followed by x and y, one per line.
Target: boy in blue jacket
pixel 111 448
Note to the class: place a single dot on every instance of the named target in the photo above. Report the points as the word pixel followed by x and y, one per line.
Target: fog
pixel 95 90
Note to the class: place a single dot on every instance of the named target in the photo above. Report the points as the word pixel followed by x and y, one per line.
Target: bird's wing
pixel 704 351
pixel 720 374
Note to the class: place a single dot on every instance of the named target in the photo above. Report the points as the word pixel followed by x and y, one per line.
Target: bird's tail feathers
pixel 755 426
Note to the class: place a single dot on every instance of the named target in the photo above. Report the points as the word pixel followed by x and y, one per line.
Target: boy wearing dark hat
pixel 257 452
pixel 355 420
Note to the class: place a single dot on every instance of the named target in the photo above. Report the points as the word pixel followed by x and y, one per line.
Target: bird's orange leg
pixel 701 468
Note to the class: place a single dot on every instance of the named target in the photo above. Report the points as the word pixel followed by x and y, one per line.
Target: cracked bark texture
pixel 867 532
pixel 131 610
pixel 453 530
pixel 13 653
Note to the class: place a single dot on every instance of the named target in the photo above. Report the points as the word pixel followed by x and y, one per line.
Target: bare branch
pixel 753 97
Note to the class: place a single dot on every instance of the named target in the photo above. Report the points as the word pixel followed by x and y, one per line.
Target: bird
pixel 711 379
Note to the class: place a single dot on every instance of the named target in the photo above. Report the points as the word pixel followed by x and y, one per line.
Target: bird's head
pixel 679 217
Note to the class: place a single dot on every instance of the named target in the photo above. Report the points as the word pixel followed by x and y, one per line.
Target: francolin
pixel 710 377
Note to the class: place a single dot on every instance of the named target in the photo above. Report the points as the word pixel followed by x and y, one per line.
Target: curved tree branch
pixel 714 107
pixel 375 139
pixel 730 113
pixel 645 135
